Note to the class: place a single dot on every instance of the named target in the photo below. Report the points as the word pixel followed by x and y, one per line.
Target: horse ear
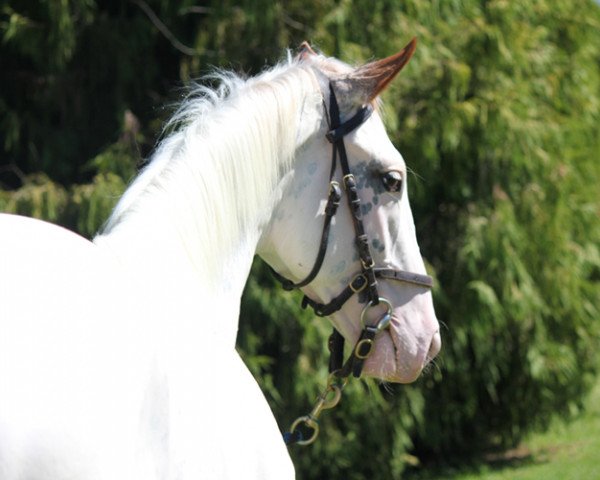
pixel 368 81
pixel 305 51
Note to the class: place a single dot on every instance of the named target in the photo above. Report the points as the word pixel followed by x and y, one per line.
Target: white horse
pixel 117 357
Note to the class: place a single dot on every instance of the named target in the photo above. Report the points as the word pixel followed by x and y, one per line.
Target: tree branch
pixel 162 28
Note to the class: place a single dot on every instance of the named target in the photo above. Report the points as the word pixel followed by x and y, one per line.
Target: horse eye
pixel 392 181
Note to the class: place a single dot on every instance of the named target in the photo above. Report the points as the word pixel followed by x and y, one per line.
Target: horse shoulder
pixel 71 378
pixel 90 388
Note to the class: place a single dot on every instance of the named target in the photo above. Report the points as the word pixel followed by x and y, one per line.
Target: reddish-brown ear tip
pixel 305 50
pixel 382 72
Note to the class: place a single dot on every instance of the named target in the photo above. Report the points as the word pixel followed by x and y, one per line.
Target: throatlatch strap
pixel 333 202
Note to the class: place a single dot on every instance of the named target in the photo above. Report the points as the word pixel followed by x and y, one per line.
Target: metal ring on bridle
pixel 384 321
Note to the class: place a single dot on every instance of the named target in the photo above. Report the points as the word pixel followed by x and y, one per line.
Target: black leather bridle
pixel 364 282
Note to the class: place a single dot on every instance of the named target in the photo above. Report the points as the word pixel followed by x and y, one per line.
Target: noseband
pixel 364 283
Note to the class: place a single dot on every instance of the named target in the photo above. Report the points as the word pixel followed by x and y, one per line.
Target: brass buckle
pixel 367 266
pixel 363 349
pixel 333 185
pixel 347 178
pixel 361 288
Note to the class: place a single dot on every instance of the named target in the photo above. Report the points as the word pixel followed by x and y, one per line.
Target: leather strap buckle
pixel 367 263
pixel 362 281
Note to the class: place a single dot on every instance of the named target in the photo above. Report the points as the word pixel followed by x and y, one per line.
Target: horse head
pixel 356 258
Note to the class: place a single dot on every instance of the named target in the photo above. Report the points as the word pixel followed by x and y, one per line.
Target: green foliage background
pixel 497 115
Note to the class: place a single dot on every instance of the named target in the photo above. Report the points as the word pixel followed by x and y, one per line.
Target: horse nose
pixel 435 346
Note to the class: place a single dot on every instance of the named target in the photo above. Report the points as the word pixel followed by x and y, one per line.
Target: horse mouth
pixel 399 357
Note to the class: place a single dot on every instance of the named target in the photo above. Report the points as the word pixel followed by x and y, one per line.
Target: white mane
pixel 230 147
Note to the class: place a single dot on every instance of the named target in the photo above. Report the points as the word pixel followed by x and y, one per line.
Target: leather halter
pixel 364 282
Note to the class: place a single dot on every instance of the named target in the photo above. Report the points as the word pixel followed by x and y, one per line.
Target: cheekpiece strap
pixel 333 202
pixel 356 361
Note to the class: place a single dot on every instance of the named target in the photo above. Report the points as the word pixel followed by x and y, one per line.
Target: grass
pixel 566 451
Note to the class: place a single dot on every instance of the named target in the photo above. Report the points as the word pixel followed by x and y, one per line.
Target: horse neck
pixel 191 222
